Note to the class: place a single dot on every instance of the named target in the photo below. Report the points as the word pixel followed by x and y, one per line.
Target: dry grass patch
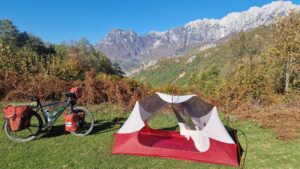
pixel 284 119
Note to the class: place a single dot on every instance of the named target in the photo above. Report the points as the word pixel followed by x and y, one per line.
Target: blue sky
pixel 64 20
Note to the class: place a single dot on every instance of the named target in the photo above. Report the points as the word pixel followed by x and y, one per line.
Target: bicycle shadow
pixel 103 126
pixel 55 131
pixel 100 126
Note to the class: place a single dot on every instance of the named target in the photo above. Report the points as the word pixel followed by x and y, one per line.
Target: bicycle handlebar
pixel 33 98
pixel 36 99
pixel 69 94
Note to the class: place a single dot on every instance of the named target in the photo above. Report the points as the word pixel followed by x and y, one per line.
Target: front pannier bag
pixel 71 122
pixel 18 117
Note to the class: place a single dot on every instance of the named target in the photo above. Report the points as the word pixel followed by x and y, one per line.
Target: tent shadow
pixel 100 126
pixel 232 132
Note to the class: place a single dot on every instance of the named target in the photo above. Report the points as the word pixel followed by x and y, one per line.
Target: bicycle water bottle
pixel 48 115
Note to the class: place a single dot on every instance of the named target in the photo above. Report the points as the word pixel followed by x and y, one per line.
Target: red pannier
pixel 18 117
pixel 81 118
pixel 77 91
pixel 71 122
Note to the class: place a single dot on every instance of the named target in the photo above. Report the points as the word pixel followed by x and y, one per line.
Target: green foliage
pixel 29 55
pixel 272 70
pixel 286 50
pixel 23 60
pixel 208 80
pixel 249 82
pixel 244 45
pixel 12 37
pixel 9 33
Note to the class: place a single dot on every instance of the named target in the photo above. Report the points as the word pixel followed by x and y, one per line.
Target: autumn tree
pixel 286 35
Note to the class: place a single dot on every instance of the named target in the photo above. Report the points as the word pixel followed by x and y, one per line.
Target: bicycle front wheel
pixel 27 134
pixel 86 121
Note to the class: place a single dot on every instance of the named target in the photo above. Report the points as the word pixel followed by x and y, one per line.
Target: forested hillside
pixel 29 55
pixel 29 66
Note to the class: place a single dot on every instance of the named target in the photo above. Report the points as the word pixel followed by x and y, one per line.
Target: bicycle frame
pixel 41 107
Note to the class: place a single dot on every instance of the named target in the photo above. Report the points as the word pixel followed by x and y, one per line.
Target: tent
pixel 202 136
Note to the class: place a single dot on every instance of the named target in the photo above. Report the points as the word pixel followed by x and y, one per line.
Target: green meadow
pixel 58 149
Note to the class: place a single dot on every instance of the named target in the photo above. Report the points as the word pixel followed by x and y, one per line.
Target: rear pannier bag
pixel 81 118
pixel 71 122
pixel 18 117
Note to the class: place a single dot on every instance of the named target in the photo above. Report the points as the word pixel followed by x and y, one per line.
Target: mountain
pixel 131 50
pixel 185 69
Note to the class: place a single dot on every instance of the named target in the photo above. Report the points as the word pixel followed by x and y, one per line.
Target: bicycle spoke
pixel 29 130
pixel 27 133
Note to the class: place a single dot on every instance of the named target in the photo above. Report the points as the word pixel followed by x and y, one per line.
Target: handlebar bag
pixel 18 117
pixel 77 91
pixel 71 122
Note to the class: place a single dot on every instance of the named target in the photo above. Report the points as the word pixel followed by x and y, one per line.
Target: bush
pixel 98 88
pixel 112 89
pixel 208 80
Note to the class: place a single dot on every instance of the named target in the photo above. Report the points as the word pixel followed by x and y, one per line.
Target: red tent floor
pixel 170 144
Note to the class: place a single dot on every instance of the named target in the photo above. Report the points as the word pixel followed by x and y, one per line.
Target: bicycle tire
pixel 80 131
pixel 12 135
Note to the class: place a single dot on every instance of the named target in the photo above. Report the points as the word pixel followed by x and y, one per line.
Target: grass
pixel 58 149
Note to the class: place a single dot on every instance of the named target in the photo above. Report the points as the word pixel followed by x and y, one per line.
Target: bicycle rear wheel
pixel 87 124
pixel 27 134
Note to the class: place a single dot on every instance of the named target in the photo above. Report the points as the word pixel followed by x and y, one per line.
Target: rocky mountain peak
pixel 121 45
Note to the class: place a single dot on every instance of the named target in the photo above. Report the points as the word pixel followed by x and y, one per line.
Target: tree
pixel 238 45
pixel 89 58
pixel 8 32
pixel 244 45
pixel 27 54
pixel 286 34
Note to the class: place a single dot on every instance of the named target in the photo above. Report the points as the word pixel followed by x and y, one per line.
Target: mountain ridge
pixel 184 69
pixel 130 50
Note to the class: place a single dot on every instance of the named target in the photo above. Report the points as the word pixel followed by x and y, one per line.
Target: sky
pixel 58 21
